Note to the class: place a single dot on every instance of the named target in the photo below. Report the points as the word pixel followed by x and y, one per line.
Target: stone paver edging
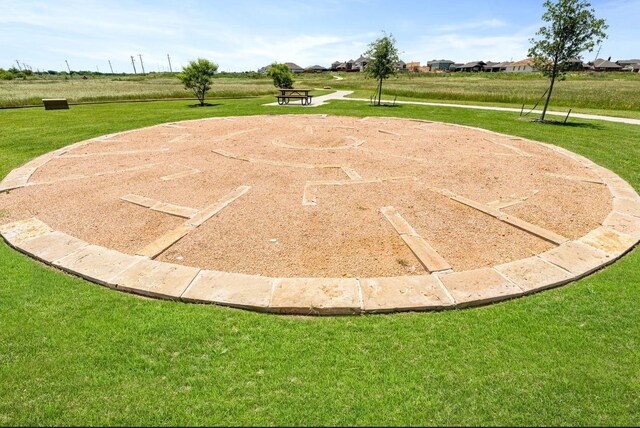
pixel 441 289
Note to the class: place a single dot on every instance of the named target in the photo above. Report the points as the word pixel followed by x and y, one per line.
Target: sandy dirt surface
pixel 345 169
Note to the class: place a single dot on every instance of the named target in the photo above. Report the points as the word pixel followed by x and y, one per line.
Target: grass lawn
pixel 72 352
pixel 614 94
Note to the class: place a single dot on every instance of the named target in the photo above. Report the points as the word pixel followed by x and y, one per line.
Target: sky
pixel 243 35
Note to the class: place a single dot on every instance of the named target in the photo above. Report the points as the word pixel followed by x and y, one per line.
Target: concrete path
pixel 341 95
pixel 318 101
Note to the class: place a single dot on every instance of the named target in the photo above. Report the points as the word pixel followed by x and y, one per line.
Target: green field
pixel 72 352
pixel 618 93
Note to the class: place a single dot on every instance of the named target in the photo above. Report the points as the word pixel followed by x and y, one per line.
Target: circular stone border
pixel 568 261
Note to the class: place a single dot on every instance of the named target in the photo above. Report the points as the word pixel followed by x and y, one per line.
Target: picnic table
pixel 297 94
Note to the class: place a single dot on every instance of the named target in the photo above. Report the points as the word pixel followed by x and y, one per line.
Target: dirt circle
pixel 316 196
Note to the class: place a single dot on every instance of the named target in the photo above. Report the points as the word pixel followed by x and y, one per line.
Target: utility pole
pixel 141 64
pixel 169 59
pixel 133 62
pixel 68 68
pixel 18 62
pixel 110 66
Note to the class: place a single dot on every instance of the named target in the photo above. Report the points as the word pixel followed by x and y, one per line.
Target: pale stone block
pixel 52 246
pixel 97 264
pixel 474 287
pixel 533 273
pixel 627 206
pixel 627 192
pixel 623 223
pixel 578 258
pixel 156 279
pixel 403 293
pixel 316 296
pixel 230 289
pixel 21 231
pixel 609 240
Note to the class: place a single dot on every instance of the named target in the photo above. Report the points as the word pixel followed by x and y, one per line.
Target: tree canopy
pixel 282 75
pixel 383 60
pixel 572 29
pixel 197 76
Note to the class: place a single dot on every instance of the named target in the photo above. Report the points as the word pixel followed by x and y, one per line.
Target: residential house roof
pixel 440 61
pixel 474 64
pixel 294 67
pixel 605 63
pixel 526 61
pixel 624 62
pixel 315 68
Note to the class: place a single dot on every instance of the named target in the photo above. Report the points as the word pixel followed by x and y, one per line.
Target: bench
pixel 304 99
pixel 55 104
pixel 286 95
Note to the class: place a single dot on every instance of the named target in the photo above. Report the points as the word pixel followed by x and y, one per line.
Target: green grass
pixel 600 93
pixel 611 91
pixel 72 352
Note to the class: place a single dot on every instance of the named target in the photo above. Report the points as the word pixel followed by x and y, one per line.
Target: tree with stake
pixel 384 59
pixel 573 29
pixel 197 77
pixel 282 75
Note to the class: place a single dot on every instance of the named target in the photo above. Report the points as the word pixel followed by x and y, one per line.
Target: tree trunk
pixel 553 79
pixel 379 91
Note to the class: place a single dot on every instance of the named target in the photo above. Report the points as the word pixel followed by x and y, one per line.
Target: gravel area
pixel 268 230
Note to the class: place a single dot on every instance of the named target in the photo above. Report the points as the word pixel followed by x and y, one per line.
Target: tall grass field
pixel 587 92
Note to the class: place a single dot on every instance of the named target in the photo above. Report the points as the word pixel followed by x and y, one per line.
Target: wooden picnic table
pixel 287 94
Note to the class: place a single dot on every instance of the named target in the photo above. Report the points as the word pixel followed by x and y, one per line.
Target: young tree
pixel 573 28
pixel 197 77
pixel 282 75
pixel 383 61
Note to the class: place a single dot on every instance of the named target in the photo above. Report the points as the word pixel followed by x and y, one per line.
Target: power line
pixel 133 62
pixel 169 59
pixel 110 66
pixel 68 68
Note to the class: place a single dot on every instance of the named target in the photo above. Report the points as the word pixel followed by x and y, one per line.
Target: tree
pixel 573 29
pixel 197 77
pixel 282 75
pixel 383 61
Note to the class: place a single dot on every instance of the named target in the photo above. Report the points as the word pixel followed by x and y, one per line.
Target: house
pixel 440 64
pixel 495 67
pixel 294 67
pixel 361 63
pixel 335 65
pixel 414 66
pixel 401 66
pixel 604 65
pixel 632 65
pixel 315 69
pixel 575 65
pixel 456 66
pixel 472 67
pixel 522 66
